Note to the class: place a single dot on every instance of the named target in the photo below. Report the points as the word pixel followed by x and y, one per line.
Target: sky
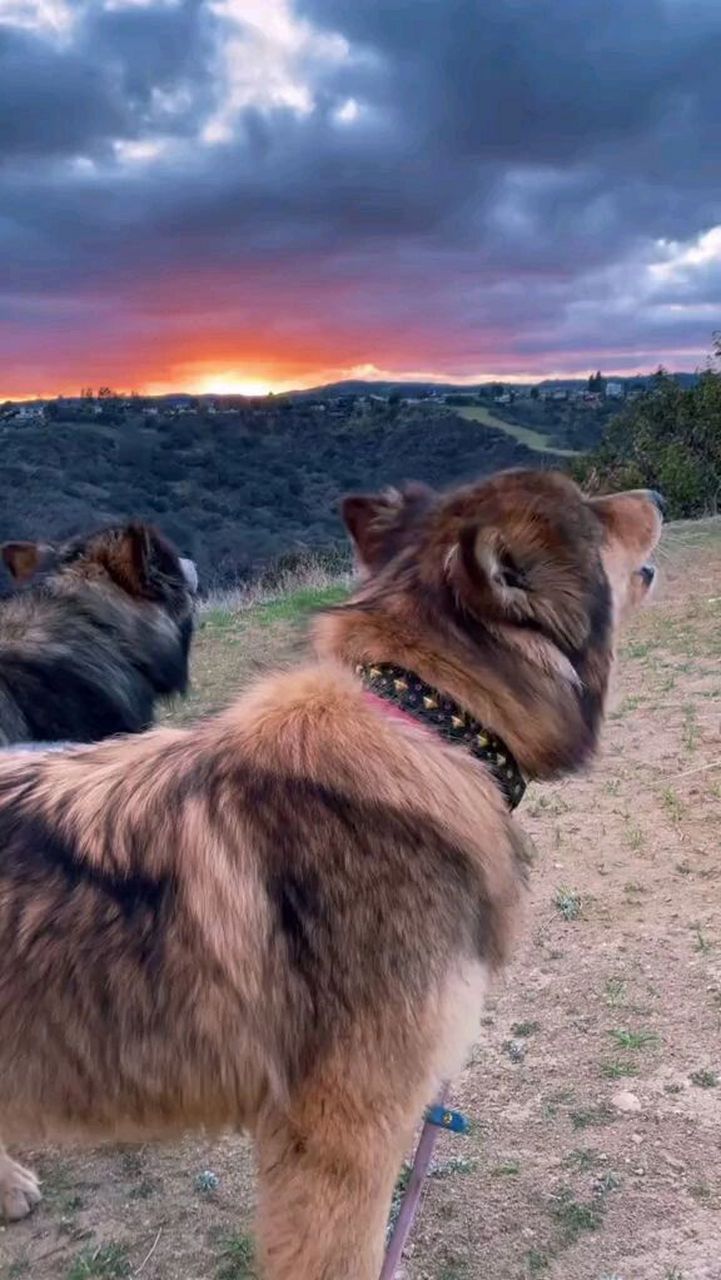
pixel 236 195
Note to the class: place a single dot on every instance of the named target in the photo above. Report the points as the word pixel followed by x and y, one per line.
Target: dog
pixel 96 630
pixel 284 918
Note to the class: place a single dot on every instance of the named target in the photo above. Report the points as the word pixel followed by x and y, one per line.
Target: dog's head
pixel 521 569
pixel 133 558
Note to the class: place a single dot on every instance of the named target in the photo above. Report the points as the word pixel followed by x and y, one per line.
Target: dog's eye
pixel 509 575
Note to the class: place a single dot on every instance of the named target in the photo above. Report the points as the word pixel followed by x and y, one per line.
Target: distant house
pixel 505 398
pixel 30 411
pixel 614 391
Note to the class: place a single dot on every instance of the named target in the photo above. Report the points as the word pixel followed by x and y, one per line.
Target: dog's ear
pixel 140 561
pixel 486 574
pixel 380 524
pixel 23 559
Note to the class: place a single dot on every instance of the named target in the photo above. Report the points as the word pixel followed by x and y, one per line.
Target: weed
pixel 237 1258
pixel 634 1039
pixel 704 1079
pixel 592 1117
pixel 634 837
pixel 673 1088
pixel 637 649
pixel 21 1267
pixel 568 903
pixel 702 943
pixel 690 727
pixel 673 1273
pixel 524 1029
pixel 617 1069
pixel 582 1159
pixel 573 1217
pixel 605 1183
pixel 107 1262
pixel 615 991
pixel 456 1164
pixel 144 1189
pixel 508 1170
pixel 672 804
pixel 537 1262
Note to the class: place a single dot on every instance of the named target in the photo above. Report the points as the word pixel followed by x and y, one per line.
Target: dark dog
pixel 95 632
pixel 284 918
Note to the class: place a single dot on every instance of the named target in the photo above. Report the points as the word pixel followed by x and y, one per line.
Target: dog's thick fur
pixel 284 918
pixel 95 632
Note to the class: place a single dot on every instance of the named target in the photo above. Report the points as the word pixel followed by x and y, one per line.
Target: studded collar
pixel 412 695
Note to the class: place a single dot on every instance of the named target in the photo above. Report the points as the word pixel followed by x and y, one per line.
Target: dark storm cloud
pixel 509 168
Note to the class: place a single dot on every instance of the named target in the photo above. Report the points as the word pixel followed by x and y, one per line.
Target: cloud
pixel 443 186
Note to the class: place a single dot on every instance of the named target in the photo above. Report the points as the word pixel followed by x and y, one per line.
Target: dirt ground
pixel 595 1094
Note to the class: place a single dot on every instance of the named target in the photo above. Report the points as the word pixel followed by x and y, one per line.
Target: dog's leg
pixel 325 1185
pixel 19 1188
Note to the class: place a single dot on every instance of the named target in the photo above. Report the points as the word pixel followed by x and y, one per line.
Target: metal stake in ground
pixel 437 1117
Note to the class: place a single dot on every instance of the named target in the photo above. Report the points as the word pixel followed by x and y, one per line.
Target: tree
pixel 669 438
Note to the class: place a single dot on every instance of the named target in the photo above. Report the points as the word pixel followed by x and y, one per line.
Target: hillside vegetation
pixel 235 490
pixel 668 439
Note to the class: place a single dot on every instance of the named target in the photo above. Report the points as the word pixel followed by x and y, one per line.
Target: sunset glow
pixel 238 196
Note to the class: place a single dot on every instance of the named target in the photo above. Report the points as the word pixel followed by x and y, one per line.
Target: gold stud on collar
pixel 457 722
pixel 400 686
pixel 374 672
pixel 429 703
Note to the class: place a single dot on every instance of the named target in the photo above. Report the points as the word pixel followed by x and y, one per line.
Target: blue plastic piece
pixel 444 1118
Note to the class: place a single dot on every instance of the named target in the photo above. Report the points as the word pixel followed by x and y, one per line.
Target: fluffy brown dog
pixel 284 918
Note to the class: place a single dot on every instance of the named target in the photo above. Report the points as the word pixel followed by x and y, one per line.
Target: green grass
pixel 298 605
pixel 634 1039
pixel 618 1069
pixel 574 1217
pixel 237 1258
pixel 524 435
pixel 704 1079
pixel 106 1262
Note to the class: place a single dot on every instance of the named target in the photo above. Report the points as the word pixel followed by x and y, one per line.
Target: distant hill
pixel 237 489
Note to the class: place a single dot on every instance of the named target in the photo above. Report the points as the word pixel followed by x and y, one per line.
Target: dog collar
pixel 410 694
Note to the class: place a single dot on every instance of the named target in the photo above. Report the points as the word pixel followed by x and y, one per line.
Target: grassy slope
pixel 524 435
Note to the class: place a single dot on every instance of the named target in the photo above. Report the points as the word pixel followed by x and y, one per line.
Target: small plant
pixel 605 1183
pixel 690 727
pixel 582 1159
pixel 106 1262
pixel 592 1117
pixel 207 1182
pixel 568 903
pixel 508 1170
pixel 634 837
pixel 524 1029
pixel 704 1079
pixel 672 804
pixel 634 1039
pixel 573 1217
pixel 456 1164
pixel 702 943
pixel 615 991
pixel 237 1258
pixel 617 1069
pixel 537 1262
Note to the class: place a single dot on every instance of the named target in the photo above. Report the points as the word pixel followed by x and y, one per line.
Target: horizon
pixel 243 196
pixel 419 379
